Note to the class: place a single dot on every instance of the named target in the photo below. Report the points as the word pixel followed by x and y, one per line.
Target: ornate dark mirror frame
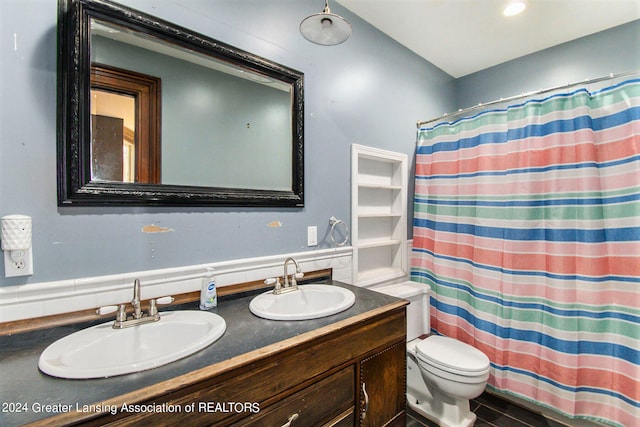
pixel 75 187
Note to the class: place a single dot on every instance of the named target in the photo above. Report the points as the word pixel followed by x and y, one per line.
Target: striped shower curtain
pixel 527 229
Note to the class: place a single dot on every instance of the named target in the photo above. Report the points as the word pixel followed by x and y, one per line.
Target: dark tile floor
pixel 493 411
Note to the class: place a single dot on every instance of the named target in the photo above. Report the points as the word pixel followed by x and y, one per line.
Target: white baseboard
pixel 65 296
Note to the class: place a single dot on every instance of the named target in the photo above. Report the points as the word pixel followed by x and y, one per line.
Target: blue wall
pixel 369 90
pixel 616 50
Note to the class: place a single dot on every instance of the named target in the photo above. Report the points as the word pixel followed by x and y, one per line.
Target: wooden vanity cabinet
pixel 315 379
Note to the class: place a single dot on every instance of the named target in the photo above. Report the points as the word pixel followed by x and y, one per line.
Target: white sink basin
pixel 308 302
pixel 101 351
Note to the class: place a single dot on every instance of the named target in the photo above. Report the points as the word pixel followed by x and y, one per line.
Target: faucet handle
pixel 108 309
pixel 276 281
pixel 272 281
pixel 154 303
pixel 122 313
pixel 293 282
pixel 165 300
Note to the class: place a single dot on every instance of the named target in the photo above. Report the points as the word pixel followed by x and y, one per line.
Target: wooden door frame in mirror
pixel 75 187
pixel 146 90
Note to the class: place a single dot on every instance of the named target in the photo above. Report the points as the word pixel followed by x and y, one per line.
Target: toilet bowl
pixel 452 372
pixel 442 373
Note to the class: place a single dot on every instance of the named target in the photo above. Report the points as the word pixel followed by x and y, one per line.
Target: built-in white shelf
pixel 380 187
pixel 379 214
pixel 374 243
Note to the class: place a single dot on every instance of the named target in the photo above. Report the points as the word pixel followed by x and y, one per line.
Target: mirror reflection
pixel 217 124
pixel 125 126
pixel 113 136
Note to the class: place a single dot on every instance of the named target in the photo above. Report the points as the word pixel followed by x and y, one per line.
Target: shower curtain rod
pixel 525 95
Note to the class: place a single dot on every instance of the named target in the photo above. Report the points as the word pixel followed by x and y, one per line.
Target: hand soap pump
pixel 208 293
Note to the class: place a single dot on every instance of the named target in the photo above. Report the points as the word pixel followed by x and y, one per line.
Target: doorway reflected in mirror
pixel 113 139
pixel 125 125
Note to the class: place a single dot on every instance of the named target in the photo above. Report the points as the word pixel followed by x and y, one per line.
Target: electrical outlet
pixel 312 235
pixel 18 263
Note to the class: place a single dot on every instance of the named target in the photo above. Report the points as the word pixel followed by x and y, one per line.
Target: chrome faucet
pixel 138 317
pixel 285 274
pixel 291 283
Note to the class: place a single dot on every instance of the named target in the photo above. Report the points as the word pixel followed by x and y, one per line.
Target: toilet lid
pixel 450 354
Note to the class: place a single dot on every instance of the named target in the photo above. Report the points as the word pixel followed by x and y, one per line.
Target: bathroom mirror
pixel 223 127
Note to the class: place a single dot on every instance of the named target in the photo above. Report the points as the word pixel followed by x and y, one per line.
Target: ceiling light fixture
pixel 326 28
pixel 514 7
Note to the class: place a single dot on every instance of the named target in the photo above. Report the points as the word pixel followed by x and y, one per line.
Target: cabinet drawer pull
pixel 292 418
pixel 366 402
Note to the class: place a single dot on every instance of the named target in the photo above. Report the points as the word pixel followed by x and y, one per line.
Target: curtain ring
pixel 334 222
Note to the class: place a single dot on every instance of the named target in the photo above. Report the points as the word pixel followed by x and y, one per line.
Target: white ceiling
pixel 465 36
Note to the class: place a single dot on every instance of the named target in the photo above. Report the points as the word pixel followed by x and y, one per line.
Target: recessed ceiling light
pixel 514 7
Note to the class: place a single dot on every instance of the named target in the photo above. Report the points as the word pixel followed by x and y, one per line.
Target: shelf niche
pixel 378 214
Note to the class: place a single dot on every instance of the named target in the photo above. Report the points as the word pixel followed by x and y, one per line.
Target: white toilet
pixel 442 373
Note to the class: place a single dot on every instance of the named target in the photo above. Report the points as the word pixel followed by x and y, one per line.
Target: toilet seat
pixel 452 356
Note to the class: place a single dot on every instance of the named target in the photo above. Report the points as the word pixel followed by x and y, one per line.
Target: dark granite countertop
pixel 25 392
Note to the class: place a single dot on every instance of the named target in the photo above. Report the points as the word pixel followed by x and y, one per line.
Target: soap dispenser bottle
pixel 208 293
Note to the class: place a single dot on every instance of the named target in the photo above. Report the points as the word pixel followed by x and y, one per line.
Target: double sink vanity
pixel 341 362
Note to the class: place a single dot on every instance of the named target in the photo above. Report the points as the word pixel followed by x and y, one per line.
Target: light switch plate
pixel 312 235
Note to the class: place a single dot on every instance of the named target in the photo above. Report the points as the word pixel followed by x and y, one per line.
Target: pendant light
pixel 325 28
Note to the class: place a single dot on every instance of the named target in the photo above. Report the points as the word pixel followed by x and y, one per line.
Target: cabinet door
pixel 383 388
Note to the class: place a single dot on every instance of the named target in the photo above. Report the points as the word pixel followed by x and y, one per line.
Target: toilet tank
pixel 418 309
